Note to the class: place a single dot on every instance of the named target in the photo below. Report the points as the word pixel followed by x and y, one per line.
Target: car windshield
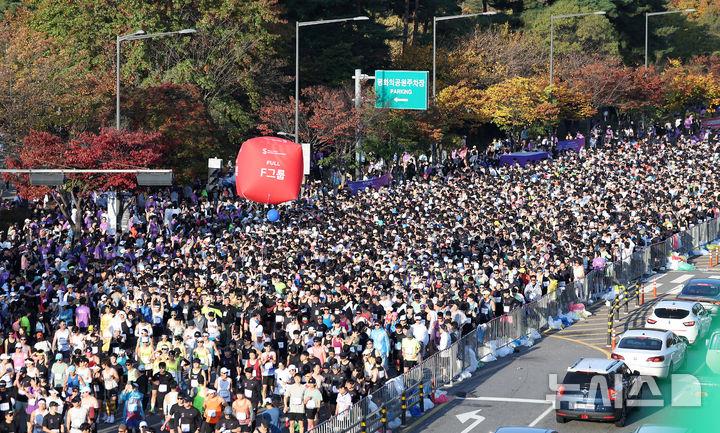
pixel 671 313
pixel 640 343
pixel 702 289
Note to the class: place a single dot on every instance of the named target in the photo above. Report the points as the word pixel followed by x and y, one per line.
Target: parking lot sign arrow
pixel 467 416
pixel 404 90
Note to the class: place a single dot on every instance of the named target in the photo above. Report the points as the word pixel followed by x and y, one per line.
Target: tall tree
pixel 330 53
pixel 328 121
pixel 41 87
pixel 111 149
pixel 590 34
pixel 518 103
pixel 230 58
pixel 178 113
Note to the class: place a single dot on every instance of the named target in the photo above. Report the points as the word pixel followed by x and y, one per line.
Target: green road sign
pixel 404 90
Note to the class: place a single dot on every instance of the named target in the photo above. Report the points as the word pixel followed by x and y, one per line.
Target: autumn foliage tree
pixel 178 113
pixel 387 131
pixel 518 103
pixel 42 88
pixel 460 106
pixel 110 149
pixel 686 88
pixel 328 121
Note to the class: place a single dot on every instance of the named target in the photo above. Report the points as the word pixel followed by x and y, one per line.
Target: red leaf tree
pixel 328 120
pixel 178 112
pixel 110 149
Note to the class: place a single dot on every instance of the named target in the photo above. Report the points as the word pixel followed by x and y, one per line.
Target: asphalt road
pixel 515 390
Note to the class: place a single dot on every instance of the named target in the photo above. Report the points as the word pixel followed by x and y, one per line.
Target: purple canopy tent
pixel 522 158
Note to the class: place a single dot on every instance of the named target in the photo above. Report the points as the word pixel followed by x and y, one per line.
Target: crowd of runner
pixel 212 318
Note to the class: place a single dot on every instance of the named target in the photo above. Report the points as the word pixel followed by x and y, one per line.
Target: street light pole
pixel 140 34
pixel 552 33
pixel 117 73
pixel 445 18
pixel 299 24
pixel 650 14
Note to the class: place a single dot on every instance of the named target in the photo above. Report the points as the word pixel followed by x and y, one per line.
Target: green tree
pixel 330 53
pixel 591 34
pixel 230 59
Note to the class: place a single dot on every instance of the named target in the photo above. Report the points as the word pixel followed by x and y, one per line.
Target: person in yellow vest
pixel 156 360
pixel 410 351
pixel 203 354
pixel 144 353
pixel 172 364
pixel 105 323
pixel 212 410
pixel 179 347
pixel 164 342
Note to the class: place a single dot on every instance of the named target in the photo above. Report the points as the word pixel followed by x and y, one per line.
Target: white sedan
pixel 652 352
pixel 687 319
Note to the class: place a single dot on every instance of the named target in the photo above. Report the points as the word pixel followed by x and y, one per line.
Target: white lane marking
pixel 676 290
pixel 542 415
pixel 682 278
pixel 509 400
pixel 716 276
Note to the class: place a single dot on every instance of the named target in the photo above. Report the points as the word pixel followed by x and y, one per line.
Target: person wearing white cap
pixel 53 396
pixel 144 352
pixel 212 409
pixel 223 384
pixel 91 403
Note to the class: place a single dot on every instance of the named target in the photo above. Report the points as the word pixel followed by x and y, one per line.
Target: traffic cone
pixel 642 293
pixel 654 287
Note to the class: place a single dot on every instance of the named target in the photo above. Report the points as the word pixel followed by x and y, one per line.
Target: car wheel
pixel 620 422
pixel 560 419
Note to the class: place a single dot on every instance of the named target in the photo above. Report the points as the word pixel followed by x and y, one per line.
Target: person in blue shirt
pixel 133 413
pixel 273 414
pixel 381 341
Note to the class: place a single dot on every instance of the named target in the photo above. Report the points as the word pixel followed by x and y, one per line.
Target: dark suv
pixel 596 389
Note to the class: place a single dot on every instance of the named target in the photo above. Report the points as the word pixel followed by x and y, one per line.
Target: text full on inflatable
pixel 269 170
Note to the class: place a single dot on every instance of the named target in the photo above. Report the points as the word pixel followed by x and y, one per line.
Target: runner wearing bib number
pixel 111 381
pixel 145 353
pixel 312 399
pixel 212 410
pixel 294 407
pixel 268 359
pixel 188 419
pixel 242 407
pixel 76 416
pixel 223 384
pixel 61 341
pixel 203 354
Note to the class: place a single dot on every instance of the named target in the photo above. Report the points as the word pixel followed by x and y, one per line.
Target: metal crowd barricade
pixel 398 395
